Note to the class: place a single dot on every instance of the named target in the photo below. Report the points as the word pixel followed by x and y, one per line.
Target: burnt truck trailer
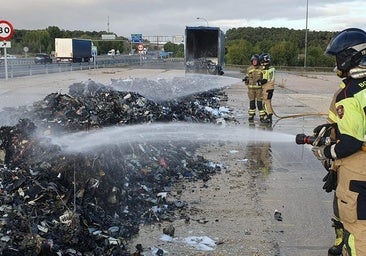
pixel 73 49
pixel 204 50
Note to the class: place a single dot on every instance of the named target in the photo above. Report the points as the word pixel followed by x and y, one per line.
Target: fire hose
pixel 294 115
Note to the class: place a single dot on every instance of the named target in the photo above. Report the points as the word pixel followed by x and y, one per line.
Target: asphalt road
pixel 294 183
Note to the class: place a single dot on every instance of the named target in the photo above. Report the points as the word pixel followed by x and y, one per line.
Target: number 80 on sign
pixel 6 30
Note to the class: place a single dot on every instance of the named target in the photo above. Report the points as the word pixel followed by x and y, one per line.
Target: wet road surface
pixel 295 181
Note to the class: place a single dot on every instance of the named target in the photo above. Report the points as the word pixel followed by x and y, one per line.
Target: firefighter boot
pixel 251 111
pixel 263 119
pixel 269 118
pixel 262 114
pixel 336 249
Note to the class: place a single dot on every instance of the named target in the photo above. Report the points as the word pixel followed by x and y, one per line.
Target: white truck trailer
pixel 73 49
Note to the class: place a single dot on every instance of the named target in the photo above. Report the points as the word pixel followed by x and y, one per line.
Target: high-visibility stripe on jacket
pixel 254 86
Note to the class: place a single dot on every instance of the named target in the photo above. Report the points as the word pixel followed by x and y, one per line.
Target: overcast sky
pixel 170 17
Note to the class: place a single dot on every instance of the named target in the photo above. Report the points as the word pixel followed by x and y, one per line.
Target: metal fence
pixel 26 66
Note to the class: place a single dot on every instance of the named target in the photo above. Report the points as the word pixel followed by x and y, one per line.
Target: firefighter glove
pixel 330 181
pixel 318 152
pixel 320 127
pixel 327 163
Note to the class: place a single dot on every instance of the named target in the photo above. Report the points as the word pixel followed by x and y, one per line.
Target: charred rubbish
pixel 92 203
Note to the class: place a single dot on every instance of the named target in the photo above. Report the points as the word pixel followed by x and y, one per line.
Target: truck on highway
pixel 73 49
pixel 204 50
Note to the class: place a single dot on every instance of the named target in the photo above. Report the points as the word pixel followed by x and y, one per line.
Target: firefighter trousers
pixel 255 95
pixel 351 198
pixel 267 99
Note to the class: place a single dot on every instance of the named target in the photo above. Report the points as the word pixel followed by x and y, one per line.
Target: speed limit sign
pixel 6 30
pixel 140 47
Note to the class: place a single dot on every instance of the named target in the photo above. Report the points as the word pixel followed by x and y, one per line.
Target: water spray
pixel 164 133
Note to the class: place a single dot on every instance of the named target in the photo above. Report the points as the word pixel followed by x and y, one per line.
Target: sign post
pixel 25 49
pixel 6 33
pixel 140 48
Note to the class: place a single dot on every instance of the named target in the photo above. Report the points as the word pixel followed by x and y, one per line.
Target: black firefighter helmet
pixel 349 48
pixel 265 58
pixel 254 57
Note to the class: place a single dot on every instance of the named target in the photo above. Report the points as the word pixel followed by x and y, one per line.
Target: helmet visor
pixel 362 62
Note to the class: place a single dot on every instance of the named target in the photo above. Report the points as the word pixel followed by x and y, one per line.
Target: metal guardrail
pixel 26 66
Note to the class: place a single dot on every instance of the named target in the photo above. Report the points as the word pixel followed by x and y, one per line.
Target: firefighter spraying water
pixel 346 155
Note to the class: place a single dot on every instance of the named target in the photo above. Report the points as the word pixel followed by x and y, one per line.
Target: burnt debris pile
pixel 91 105
pixel 53 202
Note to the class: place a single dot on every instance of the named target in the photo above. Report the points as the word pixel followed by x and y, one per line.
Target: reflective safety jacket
pixel 350 105
pixel 255 75
pixel 268 80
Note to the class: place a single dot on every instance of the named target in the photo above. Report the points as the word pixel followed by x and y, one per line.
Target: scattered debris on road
pixel 92 203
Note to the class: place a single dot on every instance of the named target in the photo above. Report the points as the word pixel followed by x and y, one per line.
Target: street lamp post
pixel 306 32
pixel 200 18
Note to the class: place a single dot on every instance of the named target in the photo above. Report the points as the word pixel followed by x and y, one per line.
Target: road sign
pixel 136 38
pixel 109 37
pixel 6 30
pixel 5 44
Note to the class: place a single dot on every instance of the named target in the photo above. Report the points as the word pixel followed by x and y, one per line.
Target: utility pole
pixel 306 32
pixel 108 24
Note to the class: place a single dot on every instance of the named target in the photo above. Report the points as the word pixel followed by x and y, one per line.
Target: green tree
pixel 316 58
pixel 264 46
pixel 284 53
pixel 54 32
pixel 176 49
pixel 180 51
pixel 286 46
pixel 239 52
pixel 105 46
pixel 37 41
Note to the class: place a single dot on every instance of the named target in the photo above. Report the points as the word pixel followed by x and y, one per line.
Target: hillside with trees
pixel 286 46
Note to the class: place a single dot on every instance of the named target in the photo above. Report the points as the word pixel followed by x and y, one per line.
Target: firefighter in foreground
pixel 349 160
pixel 253 80
pixel 267 82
